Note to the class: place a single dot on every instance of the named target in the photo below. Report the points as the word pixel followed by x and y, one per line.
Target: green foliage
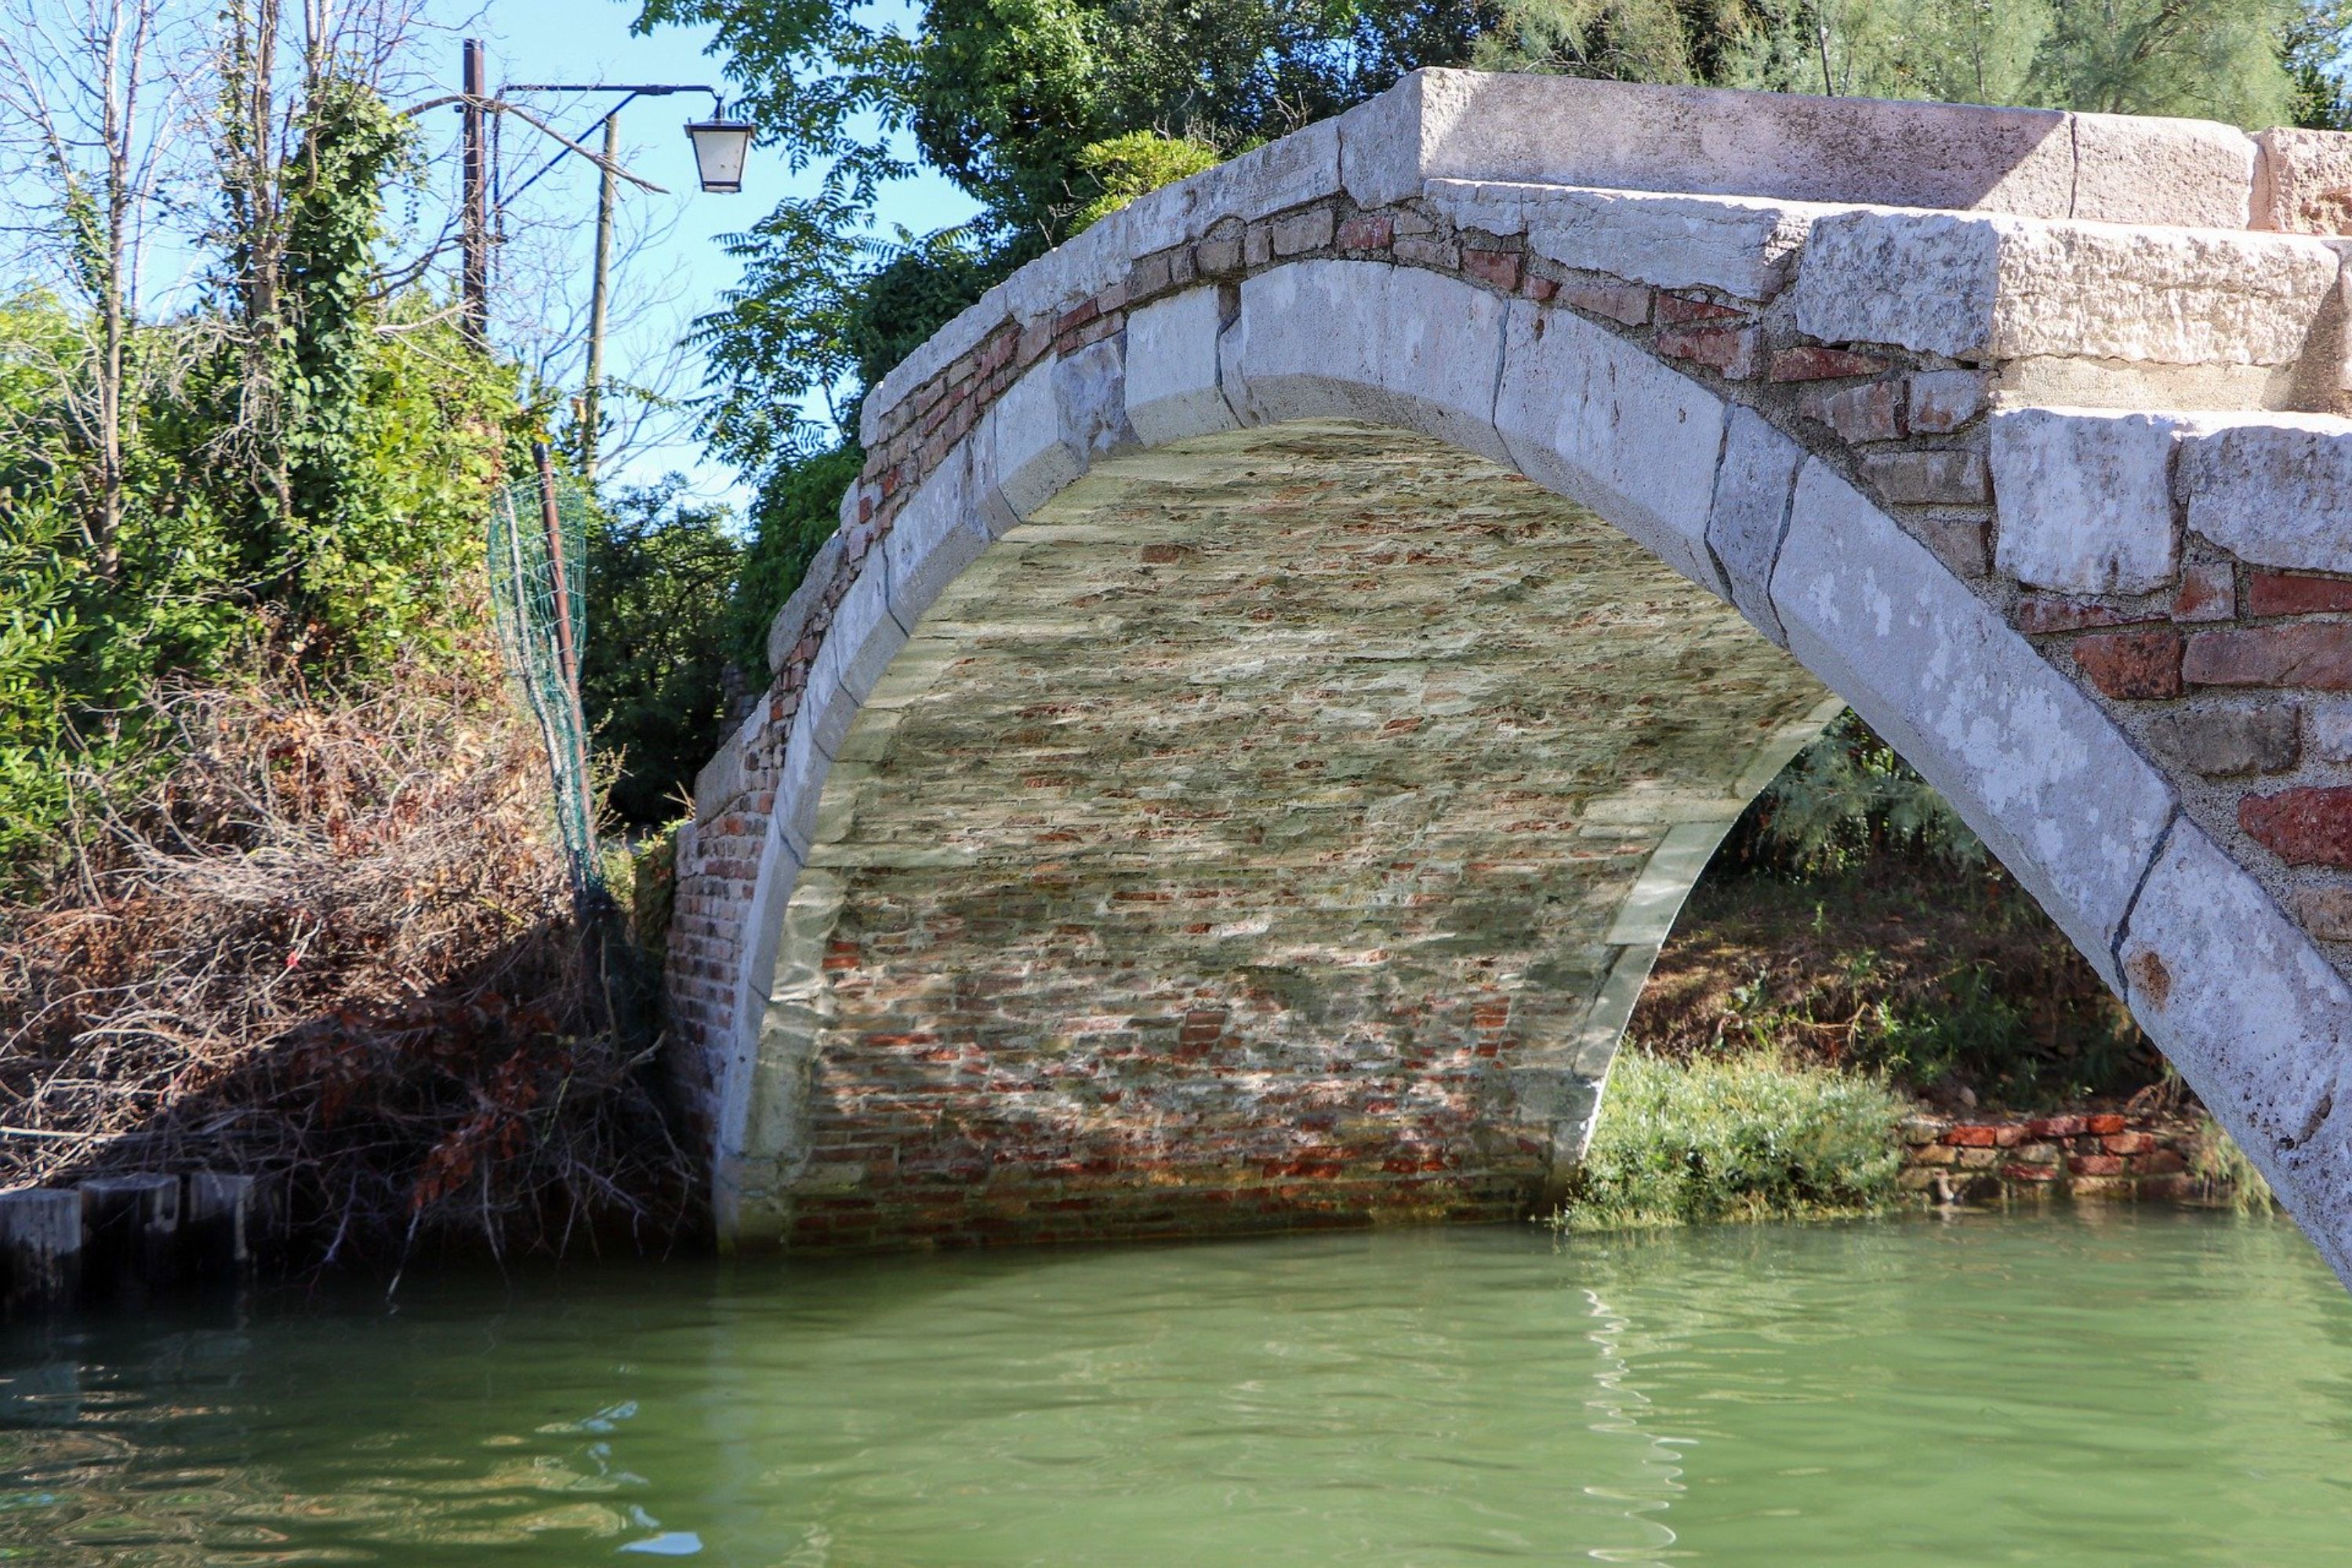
pixel 1747 1138
pixel 39 635
pixel 2315 53
pixel 659 573
pixel 796 512
pixel 1847 798
pixel 2222 1171
pixel 1135 164
pixel 2246 61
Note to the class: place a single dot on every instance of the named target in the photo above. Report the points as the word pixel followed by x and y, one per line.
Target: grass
pixel 1753 1137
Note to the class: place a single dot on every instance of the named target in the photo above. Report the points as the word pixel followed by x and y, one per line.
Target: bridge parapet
pixel 2049 482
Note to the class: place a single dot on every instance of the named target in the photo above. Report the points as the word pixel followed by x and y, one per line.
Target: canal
pixel 2081 1387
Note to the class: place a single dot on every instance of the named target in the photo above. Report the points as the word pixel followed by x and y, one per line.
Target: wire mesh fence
pixel 536 541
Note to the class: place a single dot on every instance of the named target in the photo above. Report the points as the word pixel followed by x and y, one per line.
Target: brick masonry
pixel 2198 621
pixel 2095 1156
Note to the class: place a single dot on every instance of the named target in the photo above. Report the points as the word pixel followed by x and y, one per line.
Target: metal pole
pixel 599 297
pixel 475 216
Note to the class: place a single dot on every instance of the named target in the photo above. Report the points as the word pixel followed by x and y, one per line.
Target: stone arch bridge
pixel 1292 648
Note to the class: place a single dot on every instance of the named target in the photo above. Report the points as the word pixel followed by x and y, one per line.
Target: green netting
pixel 524 552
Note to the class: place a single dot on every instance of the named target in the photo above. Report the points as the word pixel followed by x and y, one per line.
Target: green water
pixel 2080 1389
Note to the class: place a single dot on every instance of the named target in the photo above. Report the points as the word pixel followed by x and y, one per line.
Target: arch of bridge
pixel 1282 664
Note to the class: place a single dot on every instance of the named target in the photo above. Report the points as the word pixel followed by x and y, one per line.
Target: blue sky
pixel 684 267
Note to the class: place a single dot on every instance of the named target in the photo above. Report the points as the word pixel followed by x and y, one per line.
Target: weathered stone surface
pixel 1944 400
pixel 2203 173
pixel 2254 1017
pixel 1171 369
pixel 2314 654
pixel 1750 510
pixel 2038 615
pixel 2085 498
pixel 2307 826
pixel 2304 181
pixel 1989 286
pixel 1590 415
pixel 2030 762
pixel 1618 302
pixel 1359 340
pixel 2219 742
pixel 1868 413
pixel 940 531
pixel 793 619
pixel 1439 124
pixel 2274 489
pixel 2132 667
pixel 1745 247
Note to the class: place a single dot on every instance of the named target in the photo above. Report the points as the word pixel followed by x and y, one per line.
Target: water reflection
pixel 2077 1389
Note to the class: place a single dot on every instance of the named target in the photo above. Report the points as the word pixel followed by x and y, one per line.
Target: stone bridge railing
pixel 2020 430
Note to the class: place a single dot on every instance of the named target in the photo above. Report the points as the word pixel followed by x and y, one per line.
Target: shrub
pixel 1747 1138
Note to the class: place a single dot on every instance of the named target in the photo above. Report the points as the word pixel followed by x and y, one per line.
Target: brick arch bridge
pixel 1293 648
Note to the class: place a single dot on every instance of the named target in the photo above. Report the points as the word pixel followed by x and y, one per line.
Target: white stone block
pixel 2302 182
pixel 937 534
pixel 1588 414
pixel 1749 512
pixel 1557 129
pixel 2030 763
pixel 2256 1020
pixel 1745 247
pixel 1303 166
pixel 2274 489
pixel 859 646
pixel 1362 340
pixel 2331 731
pixel 1171 370
pixel 2146 169
pixel 1029 461
pixel 1994 288
pixel 800 782
pixel 2084 499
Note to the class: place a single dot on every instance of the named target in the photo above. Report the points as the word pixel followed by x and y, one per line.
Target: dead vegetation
pixel 331 941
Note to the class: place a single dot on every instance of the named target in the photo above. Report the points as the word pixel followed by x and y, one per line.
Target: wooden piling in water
pixel 40 1250
pixel 224 1224
pixel 130 1227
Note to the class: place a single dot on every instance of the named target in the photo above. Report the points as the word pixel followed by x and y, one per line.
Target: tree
pixel 94 106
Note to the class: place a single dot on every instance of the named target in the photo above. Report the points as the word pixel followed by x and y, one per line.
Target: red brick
pixel 2055 1126
pixel 2293 594
pixel 1972 1137
pixel 1500 268
pixel 2097 1164
pixel 1368 231
pixel 1626 302
pixel 2037 614
pixel 2128 1142
pixel 1811 362
pixel 2028 1173
pixel 2161 1163
pixel 2132 666
pixel 2105 1123
pixel 1872 412
pixel 2316 654
pixel 1730 350
pixel 2208 593
pixel 1540 289
pixel 2308 826
pixel 1674 308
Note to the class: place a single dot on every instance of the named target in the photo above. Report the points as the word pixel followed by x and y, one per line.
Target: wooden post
pixel 474 204
pixel 130 1226
pixel 591 411
pixel 223 1224
pixel 40 1248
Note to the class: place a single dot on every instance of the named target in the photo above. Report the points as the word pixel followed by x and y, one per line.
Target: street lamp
pixel 720 145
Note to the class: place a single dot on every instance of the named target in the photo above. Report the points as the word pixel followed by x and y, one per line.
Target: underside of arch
pixel 1276 829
